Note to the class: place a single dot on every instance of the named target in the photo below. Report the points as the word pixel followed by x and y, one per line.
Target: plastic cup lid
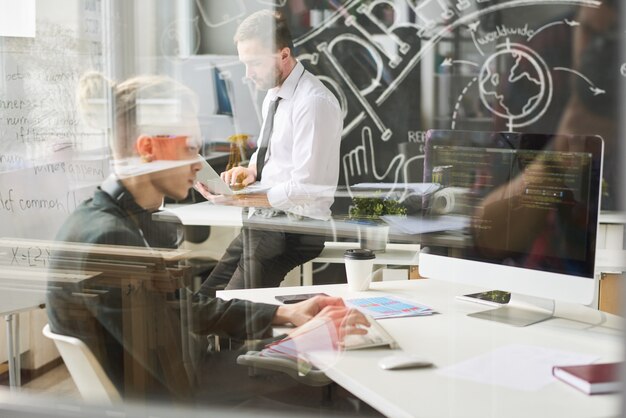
pixel 359 254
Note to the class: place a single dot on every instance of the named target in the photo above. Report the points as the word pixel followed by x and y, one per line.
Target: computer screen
pixel 227 103
pixel 530 204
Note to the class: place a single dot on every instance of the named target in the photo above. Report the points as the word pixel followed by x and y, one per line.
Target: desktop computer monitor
pixel 227 103
pixel 530 204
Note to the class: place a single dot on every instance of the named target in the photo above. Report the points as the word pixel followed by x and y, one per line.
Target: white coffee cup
pixel 359 264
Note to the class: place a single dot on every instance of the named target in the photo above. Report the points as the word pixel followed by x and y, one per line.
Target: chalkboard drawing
pixel 567 22
pixel 171 44
pixel 231 11
pixel 327 50
pixel 535 77
pixel 361 162
pixel 432 12
pixel 368 10
pixel 595 90
pixel 274 3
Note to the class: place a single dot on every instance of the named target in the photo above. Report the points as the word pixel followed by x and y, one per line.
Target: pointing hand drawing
pixel 361 162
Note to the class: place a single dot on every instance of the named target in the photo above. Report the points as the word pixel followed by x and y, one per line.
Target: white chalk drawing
pixel 540 90
pixel 623 70
pixel 370 43
pixel 571 23
pixel 474 26
pixel 236 10
pixel 171 43
pixel 459 99
pixel 326 49
pixel 274 3
pixel 538 98
pixel 595 90
pixel 434 20
pixel 464 20
pixel 448 62
pixel 361 162
pixel 406 192
pixel 432 12
pixel 368 10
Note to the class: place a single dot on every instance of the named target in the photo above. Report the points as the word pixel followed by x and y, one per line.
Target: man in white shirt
pixel 297 157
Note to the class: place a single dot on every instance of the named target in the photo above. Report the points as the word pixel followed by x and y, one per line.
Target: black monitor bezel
pixel 591 144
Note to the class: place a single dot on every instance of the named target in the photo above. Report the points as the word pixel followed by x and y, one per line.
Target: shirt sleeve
pixel 317 131
pixel 234 318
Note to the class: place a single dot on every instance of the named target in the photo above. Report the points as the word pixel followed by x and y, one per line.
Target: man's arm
pixel 232 318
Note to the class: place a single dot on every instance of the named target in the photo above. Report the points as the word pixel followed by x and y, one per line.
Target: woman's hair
pixel 147 104
pixel 268 27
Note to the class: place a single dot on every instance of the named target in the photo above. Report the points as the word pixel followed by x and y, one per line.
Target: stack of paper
pixel 413 225
pixel 389 307
pixel 419 189
pixel 315 336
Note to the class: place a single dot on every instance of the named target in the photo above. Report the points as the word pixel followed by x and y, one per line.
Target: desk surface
pixel 451 337
pixel 209 214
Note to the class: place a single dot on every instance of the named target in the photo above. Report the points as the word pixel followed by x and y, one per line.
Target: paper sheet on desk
pixel 419 225
pixel 380 307
pixel 206 213
pixel 419 189
pixel 516 366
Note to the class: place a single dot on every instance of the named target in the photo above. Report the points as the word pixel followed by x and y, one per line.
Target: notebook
pixel 591 378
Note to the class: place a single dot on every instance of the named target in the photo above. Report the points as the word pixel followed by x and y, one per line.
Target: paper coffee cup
pixel 359 264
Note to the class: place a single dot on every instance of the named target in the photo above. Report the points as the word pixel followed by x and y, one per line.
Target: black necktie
pixel 265 137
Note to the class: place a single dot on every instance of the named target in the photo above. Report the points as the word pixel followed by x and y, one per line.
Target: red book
pixel 591 378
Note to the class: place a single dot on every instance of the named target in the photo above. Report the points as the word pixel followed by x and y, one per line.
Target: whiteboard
pixel 50 160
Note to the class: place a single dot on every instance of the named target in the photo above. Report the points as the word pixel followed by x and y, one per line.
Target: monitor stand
pixel 521 311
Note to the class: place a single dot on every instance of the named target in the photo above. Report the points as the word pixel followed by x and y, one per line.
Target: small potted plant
pixel 368 212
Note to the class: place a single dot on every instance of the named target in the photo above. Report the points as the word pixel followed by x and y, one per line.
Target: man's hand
pixel 299 313
pixel 345 320
pixel 240 175
pixel 204 191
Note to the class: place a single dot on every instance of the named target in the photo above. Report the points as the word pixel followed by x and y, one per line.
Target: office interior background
pixel 397 67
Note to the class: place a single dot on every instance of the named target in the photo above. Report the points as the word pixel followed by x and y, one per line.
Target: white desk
pixel 451 337
pixel 209 214
pixel 22 290
pixel 202 214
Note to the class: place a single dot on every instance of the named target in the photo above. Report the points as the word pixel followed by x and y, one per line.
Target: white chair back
pixel 92 382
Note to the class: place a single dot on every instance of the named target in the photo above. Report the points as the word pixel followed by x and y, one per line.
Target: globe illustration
pixel 525 72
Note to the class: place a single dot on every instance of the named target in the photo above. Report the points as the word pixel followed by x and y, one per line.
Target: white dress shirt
pixel 302 161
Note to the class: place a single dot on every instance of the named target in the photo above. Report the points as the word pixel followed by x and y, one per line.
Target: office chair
pixel 92 382
pixel 254 361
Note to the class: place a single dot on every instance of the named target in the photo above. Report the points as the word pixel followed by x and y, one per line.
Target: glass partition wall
pixel 100 91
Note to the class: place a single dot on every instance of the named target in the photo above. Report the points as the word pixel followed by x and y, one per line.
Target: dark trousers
pixel 261 258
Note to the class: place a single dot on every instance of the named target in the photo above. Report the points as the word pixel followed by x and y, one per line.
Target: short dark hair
pixel 268 27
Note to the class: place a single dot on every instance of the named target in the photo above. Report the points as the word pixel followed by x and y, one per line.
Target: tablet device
pixel 209 177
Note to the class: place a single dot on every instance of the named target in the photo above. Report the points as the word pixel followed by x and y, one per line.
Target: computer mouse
pixel 402 361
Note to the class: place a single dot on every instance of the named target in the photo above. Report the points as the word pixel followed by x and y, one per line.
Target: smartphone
pixel 297 298
pixel 491 297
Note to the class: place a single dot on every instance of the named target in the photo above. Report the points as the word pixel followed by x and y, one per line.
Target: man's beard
pixel 272 80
